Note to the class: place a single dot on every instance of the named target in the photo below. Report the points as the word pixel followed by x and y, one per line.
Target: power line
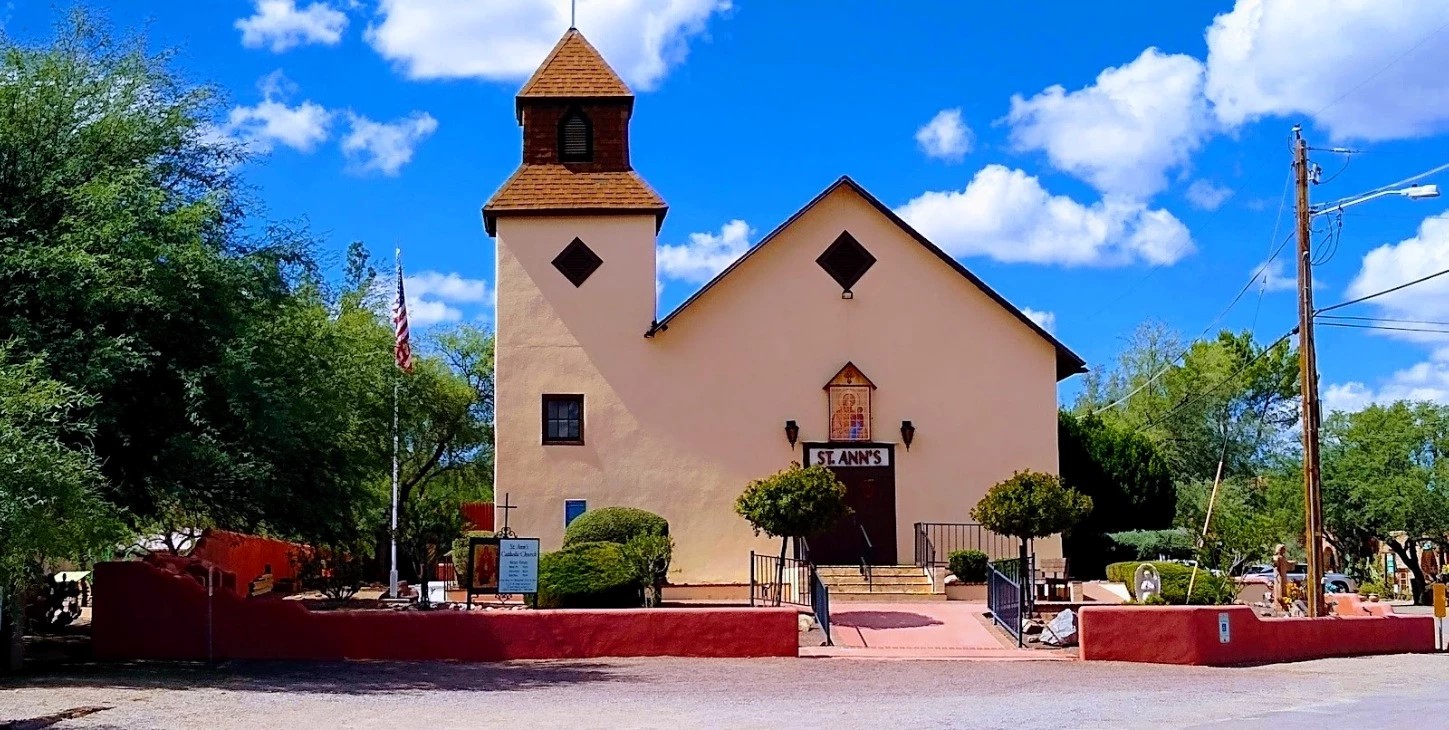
pixel 1382 188
pixel 1351 325
pixel 1385 67
pixel 1384 319
pixel 1375 295
pixel 1193 399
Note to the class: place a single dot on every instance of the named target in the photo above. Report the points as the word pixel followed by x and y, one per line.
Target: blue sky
pixel 1099 164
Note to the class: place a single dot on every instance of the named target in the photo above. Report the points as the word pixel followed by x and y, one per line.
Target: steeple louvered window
pixel 575 137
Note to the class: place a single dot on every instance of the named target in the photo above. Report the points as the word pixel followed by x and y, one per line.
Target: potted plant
pixel 968 567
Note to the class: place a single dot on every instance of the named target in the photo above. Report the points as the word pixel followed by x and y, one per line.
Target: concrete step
pixel 879 597
pixel 831 571
pixel 878 588
pixel 880 580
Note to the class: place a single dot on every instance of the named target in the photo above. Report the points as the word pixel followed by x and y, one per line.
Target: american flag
pixel 402 347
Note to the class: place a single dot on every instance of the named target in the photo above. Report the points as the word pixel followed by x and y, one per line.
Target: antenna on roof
pixel 573 14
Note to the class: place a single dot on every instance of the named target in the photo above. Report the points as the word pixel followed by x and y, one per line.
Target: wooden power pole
pixel 1308 373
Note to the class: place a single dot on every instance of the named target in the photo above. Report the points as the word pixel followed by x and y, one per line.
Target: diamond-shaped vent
pixel 846 261
pixel 577 262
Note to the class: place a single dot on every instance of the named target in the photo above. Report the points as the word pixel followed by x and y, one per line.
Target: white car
pixel 1332 582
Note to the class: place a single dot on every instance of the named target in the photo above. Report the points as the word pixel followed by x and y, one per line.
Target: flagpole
pixel 392 534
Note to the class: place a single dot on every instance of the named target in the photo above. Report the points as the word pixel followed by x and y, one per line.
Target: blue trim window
pixel 573 508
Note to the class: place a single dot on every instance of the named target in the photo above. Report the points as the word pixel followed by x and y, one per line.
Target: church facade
pixel 843 338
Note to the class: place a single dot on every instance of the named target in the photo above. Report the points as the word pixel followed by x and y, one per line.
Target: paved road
pixel 1407 691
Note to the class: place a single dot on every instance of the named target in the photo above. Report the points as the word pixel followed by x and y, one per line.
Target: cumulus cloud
pixel 434 296
pixel 281 25
pixel 1368 70
pixel 1045 320
pixel 385 147
pixel 1390 265
pixel 1007 215
pixel 272 121
pixel 506 41
pixel 1425 381
pixel 946 137
pixel 1205 195
pixel 705 254
pixel 1274 276
pixel 1123 133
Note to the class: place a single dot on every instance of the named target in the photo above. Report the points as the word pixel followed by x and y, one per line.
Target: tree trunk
pixel 1023 580
pixel 780 571
pixel 1409 554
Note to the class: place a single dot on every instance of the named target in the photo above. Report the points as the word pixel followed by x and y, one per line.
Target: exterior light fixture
pixel 1419 192
pixel 847 294
pixel 792 432
pixel 908 434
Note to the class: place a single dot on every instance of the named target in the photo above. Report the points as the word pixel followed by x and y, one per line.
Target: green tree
pixel 50 507
pixel 796 502
pixel 1126 477
pixel 1031 505
pixel 427 529
pixel 1384 479
pixel 1249 517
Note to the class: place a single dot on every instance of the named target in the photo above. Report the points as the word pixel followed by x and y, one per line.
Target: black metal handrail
pixel 935 541
pixel 792 581
pixel 867 557
pixel 1009 594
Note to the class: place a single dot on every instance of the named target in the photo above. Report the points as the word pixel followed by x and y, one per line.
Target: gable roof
pixel 574 70
pixel 558 190
pixel 1068 363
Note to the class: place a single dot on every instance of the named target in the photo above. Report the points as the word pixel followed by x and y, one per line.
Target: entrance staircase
pixel 886 583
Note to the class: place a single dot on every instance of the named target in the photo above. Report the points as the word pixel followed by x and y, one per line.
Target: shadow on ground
pixel 882 620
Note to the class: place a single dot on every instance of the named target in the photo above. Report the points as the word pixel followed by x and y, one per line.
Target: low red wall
pixel 247 555
pixel 1190 635
pixel 145 612
pixel 479 515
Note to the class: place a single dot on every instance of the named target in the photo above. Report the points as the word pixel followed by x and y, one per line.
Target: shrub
pixel 1207 590
pixel 648 557
pixel 587 575
pixel 969 566
pixel 614 524
pixel 1154 544
pixel 1029 505
pixel 1379 589
pixel 336 570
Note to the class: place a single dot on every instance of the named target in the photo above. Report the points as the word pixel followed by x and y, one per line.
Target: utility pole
pixel 1308 374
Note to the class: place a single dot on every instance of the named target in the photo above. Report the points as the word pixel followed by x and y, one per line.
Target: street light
pixel 1412 192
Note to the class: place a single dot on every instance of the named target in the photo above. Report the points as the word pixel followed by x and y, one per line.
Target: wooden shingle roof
pixel 555 189
pixel 574 69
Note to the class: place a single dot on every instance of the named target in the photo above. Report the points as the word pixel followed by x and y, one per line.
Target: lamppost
pixel 1308 357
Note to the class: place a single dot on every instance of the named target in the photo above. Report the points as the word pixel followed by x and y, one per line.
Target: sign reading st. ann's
pixel 849 456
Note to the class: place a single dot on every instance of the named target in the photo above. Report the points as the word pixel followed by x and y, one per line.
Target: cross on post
pixel 506 506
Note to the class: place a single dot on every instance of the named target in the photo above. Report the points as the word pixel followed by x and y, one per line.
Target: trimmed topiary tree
pixel 614 524
pixel 649 556
pixel 588 575
pixel 1029 505
pixel 796 502
pixel 969 566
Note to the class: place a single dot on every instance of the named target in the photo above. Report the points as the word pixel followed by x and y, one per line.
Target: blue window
pixel 573 508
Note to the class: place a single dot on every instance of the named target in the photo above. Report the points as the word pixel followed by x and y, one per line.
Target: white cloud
pixel 706 254
pixel 282 25
pixel 1390 265
pixel 1338 60
pixel 433 296
pixel 1045 320
pixel 272 121
pixel 1007 215
pixel 386 147
pixel 1123 133
pixel 1425 381
pixel 1274 276
pixel 506 41
pixel 1206 195
pixel 946 137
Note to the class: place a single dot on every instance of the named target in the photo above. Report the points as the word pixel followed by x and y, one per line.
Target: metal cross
pixel 505 507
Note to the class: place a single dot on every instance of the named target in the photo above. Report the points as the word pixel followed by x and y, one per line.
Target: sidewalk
pixel 922 631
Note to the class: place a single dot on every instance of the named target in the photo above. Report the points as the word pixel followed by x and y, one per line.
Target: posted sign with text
pixel 518 565
pixel 847 456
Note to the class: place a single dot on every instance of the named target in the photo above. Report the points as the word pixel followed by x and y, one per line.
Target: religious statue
pixel 1281 566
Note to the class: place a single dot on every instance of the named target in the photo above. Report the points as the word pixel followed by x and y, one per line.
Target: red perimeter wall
pixel 247 555
pixel 147 612
pixel 1189 635
pixel 479 515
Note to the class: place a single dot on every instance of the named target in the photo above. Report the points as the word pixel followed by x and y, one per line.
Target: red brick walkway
pixel 919 630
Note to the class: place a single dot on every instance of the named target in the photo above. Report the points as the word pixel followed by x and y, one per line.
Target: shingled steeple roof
pixel 574 70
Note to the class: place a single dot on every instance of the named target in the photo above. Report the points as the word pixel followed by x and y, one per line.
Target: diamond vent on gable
pixel 846 261
pixel 577 262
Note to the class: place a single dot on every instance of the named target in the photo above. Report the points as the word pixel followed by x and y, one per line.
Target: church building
pixel 843 338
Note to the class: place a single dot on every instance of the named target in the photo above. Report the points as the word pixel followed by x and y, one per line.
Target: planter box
pixel 974 592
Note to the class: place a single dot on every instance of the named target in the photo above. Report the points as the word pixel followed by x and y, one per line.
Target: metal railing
pixel 935 541
pixel 867 557
pixel 1009 594
pixel 793 582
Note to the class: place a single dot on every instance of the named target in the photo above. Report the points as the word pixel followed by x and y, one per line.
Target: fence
pixel 792 582
pixel 1008 594
pixel 935 541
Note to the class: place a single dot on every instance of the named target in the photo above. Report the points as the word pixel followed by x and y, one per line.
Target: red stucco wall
pixel 479 515
pixel 1189 635
pixel 247 555
pixel 144 612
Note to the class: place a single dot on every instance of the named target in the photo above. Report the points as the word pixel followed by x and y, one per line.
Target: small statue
pixel 1147 582
pixel 1281 566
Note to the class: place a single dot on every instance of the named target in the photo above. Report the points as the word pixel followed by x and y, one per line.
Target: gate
pixel 1009 593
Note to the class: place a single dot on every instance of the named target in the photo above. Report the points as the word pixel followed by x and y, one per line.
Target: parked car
pixel 1332 582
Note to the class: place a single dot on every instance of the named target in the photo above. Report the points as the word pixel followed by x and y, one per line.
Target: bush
pixel 334 569
pixel 614 524
pixel 1208 590
pixel 1031 504
pixel 969 566
pixel 648 557
pixel 1379 589
pixel 588 575
pixel 1154 544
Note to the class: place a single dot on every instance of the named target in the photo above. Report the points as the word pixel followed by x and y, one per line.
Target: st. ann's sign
pixel 848 456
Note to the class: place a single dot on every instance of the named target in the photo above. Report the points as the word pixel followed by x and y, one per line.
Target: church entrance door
pixel 868 472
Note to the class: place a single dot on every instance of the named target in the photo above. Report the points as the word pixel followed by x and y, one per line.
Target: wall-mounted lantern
pixel 908 434
pixel 792 432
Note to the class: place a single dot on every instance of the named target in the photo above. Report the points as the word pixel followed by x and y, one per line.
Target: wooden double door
pixel 868 472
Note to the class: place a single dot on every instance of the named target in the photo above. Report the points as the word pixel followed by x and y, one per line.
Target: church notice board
pixel 502 565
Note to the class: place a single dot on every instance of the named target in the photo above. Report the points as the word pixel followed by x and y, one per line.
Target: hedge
pixel 969 566
pixel 588 575
pixel 614 524
pixel 1208 590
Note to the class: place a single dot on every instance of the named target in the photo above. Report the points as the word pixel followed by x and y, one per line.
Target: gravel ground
pixel 1405 691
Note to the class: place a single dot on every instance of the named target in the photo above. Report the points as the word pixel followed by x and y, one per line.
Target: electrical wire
pixel 1384 319
pixel 1350 325
pixel 1375 295
pixel 1385 67
pixel 1383 188
pixel 1203 394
